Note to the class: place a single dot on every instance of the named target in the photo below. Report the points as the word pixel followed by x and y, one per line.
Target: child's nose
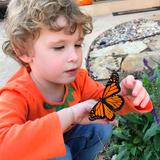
pixel 73 55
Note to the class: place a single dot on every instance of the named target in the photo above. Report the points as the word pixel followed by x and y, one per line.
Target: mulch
pixel 2 13
pixel 4 3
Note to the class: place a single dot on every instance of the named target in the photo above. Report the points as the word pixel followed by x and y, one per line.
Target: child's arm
pixel 27 139
pixel 130 107
pixel 135 95
pixel 37 138
pixel 78 114
pixel 136 100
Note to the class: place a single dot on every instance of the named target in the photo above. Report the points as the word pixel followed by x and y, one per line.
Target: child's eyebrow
pixel 80 39
pixel 63 41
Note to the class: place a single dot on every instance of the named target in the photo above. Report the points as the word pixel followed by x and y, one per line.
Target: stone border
pixel 123 49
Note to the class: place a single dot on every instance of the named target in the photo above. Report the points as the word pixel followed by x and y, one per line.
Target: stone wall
pixel 123 48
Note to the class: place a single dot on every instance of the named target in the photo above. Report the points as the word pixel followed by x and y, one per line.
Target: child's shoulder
pixel 19 82
pixel 82 72
pixel 83 80
pixel 82 75
pixel 80 78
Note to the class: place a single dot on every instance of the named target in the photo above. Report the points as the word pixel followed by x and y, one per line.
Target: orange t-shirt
pixel 29 126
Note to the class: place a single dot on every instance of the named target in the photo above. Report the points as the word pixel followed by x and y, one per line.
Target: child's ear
pixel 25 57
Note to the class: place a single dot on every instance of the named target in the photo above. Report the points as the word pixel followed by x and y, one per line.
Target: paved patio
pixel 7 65
pixel 101 23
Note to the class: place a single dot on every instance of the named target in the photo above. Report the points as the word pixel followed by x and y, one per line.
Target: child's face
pixel 57 56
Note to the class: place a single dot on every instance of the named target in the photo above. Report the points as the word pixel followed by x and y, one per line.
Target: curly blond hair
pixel 25 19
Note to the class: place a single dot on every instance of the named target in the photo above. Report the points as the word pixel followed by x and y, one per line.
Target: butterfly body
pixel 110 102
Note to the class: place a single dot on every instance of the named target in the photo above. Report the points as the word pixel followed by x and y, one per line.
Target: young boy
pixel 44 106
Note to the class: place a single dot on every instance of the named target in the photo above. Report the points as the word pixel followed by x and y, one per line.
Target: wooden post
pixel 107 7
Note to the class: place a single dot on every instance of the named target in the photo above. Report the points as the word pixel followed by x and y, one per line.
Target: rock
pixel 101 67
pixel 134 63
pixel 134 47
pixel 153 43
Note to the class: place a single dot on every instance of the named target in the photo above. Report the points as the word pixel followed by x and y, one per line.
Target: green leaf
pixel 152 131
pixel 138 136
pixel 157 71
pixel 145 127
pixel 133 151
pixel 147 84
pixel 134 118
pixel 137 140
pixel 118 132
pixel 149 117
pixel 123 155
pixel 158 83
pixel 147 153
pixel 156 142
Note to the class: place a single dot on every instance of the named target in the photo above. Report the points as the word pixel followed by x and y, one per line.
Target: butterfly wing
pixel 110 99
pixel 114 103
pixel 110 102
pixel 100 111
pixel 112 86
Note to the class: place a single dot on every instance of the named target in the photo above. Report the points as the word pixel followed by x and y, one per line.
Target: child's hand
pixel 134 88
pixel 78 114
pixel 81 113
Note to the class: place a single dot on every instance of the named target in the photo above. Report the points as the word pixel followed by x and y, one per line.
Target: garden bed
pixel 131 48
pixel 123 47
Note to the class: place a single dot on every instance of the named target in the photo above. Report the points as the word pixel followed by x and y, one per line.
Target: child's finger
pixel 126 84
pixel 92 103
pixel 129 82
pixel 139 97
pixel 145 102
pixel 137 88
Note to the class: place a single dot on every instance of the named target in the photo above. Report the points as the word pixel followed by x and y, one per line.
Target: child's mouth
pixel 72 71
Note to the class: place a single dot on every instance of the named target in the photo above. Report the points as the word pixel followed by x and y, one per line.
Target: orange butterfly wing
pixel 100 111
pixel 110 102
pixel 109 97
pixel 112 86
pixel 114 103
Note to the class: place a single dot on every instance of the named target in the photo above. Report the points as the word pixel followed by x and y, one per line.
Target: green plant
pixel 138 136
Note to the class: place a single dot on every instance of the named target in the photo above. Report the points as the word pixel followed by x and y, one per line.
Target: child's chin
pixel 69 80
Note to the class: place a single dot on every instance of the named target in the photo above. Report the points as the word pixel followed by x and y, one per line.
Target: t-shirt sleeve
pixel 130 107
pixel 89 88
pixel 27 140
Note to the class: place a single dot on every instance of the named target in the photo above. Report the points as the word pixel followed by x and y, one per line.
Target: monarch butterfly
pixel 109 102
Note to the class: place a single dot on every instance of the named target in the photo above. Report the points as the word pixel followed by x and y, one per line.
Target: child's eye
pixel 58 48
pixel 78 45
